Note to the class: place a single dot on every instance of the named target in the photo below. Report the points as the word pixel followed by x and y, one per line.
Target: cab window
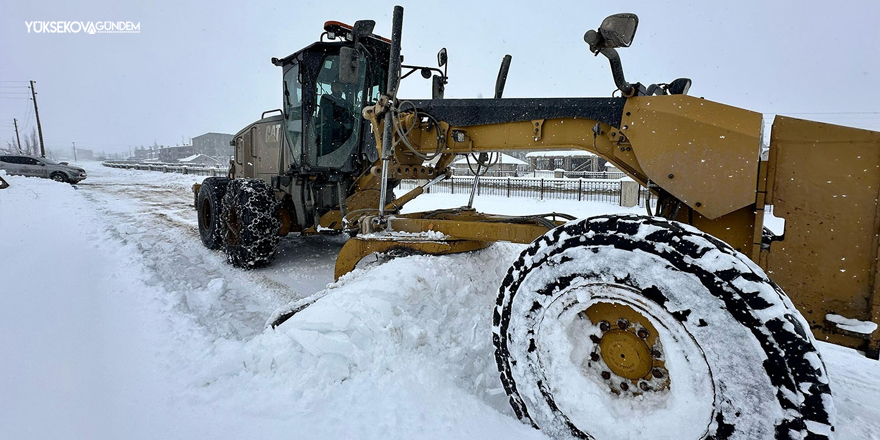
pixel 293 104
pixel 335 122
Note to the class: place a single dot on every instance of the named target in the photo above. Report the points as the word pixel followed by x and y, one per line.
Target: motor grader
pixel 668 321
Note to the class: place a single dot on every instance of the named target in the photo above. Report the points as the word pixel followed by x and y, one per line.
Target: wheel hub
pixel 627 355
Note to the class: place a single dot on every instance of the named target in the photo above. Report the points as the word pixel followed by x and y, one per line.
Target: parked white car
pixel 41 167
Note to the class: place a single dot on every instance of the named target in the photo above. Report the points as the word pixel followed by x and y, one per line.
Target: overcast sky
pixel 198 67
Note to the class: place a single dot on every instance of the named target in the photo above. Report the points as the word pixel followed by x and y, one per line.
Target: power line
pixel 29 112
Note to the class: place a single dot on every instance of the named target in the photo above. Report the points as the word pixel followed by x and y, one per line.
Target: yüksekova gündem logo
pixel 85 27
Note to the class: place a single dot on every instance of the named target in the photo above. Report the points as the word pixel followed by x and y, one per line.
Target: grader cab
pixel 696 304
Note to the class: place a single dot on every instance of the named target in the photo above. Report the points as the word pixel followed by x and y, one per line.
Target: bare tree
pixel 11 147
pixel 31 144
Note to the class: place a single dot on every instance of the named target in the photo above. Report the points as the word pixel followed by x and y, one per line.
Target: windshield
pixel 336 120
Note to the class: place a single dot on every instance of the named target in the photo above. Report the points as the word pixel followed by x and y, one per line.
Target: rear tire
pixel 250 223
pixel 637 327
pixel 209 204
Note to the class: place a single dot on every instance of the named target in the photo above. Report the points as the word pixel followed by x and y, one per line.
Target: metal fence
pixel 594 174
pixel 545 174
pixel 593 190
pixel 198 170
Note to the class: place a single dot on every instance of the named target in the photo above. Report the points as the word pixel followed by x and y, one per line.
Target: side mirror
pixel 618 30
pixel 348 65
pixel 441 57
pixel 362 28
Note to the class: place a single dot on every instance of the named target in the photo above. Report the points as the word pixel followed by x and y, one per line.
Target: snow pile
pixel 421 319
pixel 852 325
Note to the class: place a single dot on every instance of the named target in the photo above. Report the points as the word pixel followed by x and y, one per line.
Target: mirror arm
pixel 626 88
pixel 414 68
pixel 502 76
pixel 411 70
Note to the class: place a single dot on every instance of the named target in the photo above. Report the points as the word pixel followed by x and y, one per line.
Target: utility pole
pixel 39 127
pixel 17 139
pixel 74 151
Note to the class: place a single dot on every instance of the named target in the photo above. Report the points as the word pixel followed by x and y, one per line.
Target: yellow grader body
pixel 823 180
pixel 680 307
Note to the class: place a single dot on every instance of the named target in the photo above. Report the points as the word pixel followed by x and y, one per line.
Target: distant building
pixel 213 144
pixel 506 166
pixel 83 154
pixel 199 159
pixel 141 153
pixel 173 154
pixel 565 160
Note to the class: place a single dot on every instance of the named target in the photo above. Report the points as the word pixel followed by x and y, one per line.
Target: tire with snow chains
pixel 624 327
pixel 209 203
pixel 250 223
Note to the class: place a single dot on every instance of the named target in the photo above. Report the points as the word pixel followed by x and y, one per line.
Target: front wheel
pixel 250 223
pixel 59 177
pixel 637 327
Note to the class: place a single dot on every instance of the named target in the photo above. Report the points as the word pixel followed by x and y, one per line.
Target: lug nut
pixel 604 326
pixel 624 386
pixel 658 373
pixel 656 353
pixel 642 333
pixel 606 375
pixel 622 323
pixel 644 386
pixel 594 357
pixel 595 339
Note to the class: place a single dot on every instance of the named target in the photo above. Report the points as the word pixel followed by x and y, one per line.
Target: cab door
pixel 250 153
pixel 244 154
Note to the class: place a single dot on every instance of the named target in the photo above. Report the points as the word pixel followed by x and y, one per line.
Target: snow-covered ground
pixel 115 322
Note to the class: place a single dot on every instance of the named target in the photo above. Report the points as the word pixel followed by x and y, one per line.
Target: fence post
pixel 580 188
pixel 542 190
pixel 452 185
pixel 508 187
pixel 629 193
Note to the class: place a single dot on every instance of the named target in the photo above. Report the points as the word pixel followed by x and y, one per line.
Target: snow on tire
pixel 208 207
pixel 621 327
pixel 250 223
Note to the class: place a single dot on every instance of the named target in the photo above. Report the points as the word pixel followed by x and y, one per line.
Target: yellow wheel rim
pixel 628 353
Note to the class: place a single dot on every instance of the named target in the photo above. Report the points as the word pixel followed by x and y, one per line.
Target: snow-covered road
pixel 115 322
